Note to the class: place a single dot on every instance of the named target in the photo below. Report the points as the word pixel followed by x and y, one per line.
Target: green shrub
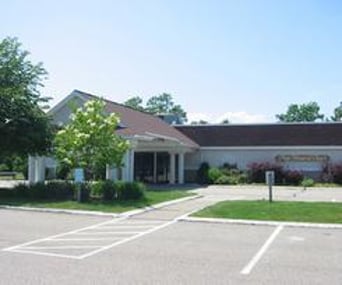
pixel 96 189
pixel 227 180
pixel 6 192
pixel 60 190
pixel 214 174
pixel 243 178
pixel 202 173
pixel 51 190
pixel 308 182
pixel 130 191
pixel 21 190
pixel 38 191
pixel 103 189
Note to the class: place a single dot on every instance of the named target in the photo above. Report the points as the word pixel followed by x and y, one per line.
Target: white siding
pixel 244 157
pixel 62 115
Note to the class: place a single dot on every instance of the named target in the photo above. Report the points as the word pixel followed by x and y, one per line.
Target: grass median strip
pixel 151 197
pixel 310 212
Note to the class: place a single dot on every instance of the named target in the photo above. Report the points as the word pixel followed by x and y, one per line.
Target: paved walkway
pixel 284 193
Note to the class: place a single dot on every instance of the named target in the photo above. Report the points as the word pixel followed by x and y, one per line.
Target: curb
pixel 261 223
pixel 98 213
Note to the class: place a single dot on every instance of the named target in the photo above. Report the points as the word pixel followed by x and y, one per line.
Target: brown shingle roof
pixel 140 123
pixel 277 134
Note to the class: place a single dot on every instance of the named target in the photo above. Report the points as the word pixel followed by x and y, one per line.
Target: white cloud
pixel 240 117
pixel 195 117
pixel 243 118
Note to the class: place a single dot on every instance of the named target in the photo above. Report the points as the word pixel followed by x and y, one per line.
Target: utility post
pixel 269 177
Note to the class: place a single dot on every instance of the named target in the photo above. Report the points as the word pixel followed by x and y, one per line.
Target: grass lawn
pixel 152 197
pixel 313 212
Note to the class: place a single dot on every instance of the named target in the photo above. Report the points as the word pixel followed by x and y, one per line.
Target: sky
pixel 245 60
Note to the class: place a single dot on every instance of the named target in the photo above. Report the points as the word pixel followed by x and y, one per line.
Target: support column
pixel 125 168
pixel 40 169
pixel 172 168
pixel 154 167
pixel 108 172
pixel 31 169
pixel 131 166
pixel 180 168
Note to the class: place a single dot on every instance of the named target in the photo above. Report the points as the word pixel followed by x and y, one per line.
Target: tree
pixel 24 127
pixel 157 105
pixel 225 122
pixel 337 117
pixel 301 113
pixel 163 104
pixel 135 103
pixel 89 141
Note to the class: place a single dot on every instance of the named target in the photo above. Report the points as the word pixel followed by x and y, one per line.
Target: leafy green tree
pixel 89 141
pixel 135 103
pixel 163 104
pixel 24 127
pixel 337 117
pixel 301 113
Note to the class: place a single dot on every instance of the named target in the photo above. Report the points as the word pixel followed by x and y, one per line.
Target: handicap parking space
pixel 85 242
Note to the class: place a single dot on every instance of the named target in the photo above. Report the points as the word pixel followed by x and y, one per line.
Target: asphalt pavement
pixel 157 247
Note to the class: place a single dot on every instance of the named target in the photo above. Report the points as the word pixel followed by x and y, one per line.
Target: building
pixel 164 153
pixel 157 149
pixel 306 147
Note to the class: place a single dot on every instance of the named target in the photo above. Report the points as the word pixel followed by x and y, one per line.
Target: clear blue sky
pixel 250 59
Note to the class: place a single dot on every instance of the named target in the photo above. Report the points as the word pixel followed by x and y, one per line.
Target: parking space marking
pixel 104 236
pixel 107 233
pixel 128 239
pixel 63 247
pixel 248 268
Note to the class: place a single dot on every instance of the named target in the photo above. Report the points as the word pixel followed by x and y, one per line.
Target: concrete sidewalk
pixel 281 193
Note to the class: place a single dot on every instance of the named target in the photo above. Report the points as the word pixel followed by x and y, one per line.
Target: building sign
pixel 302 158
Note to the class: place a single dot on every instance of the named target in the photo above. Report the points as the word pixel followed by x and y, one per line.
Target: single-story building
pixel 306 147
pixel 164 153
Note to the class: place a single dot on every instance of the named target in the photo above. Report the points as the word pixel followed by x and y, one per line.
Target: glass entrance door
pixel 163 166
pixel 143 167
pixel 145 164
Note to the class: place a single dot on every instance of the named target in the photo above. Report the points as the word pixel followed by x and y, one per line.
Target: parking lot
pixel 158 248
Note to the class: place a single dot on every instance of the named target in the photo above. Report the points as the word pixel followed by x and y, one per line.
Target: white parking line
pixel 63 247
pixel 248 268
pixel 83 239
pixel 128 239
pixel 124 227
pixel 59 235
pixel 108 232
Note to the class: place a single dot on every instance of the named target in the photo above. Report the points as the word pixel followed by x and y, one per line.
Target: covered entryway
pixel 158 167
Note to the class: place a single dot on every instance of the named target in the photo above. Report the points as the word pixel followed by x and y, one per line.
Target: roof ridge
pixel 141 112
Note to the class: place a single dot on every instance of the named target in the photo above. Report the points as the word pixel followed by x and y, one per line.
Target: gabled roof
pixel 277 134
pixel 136 123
